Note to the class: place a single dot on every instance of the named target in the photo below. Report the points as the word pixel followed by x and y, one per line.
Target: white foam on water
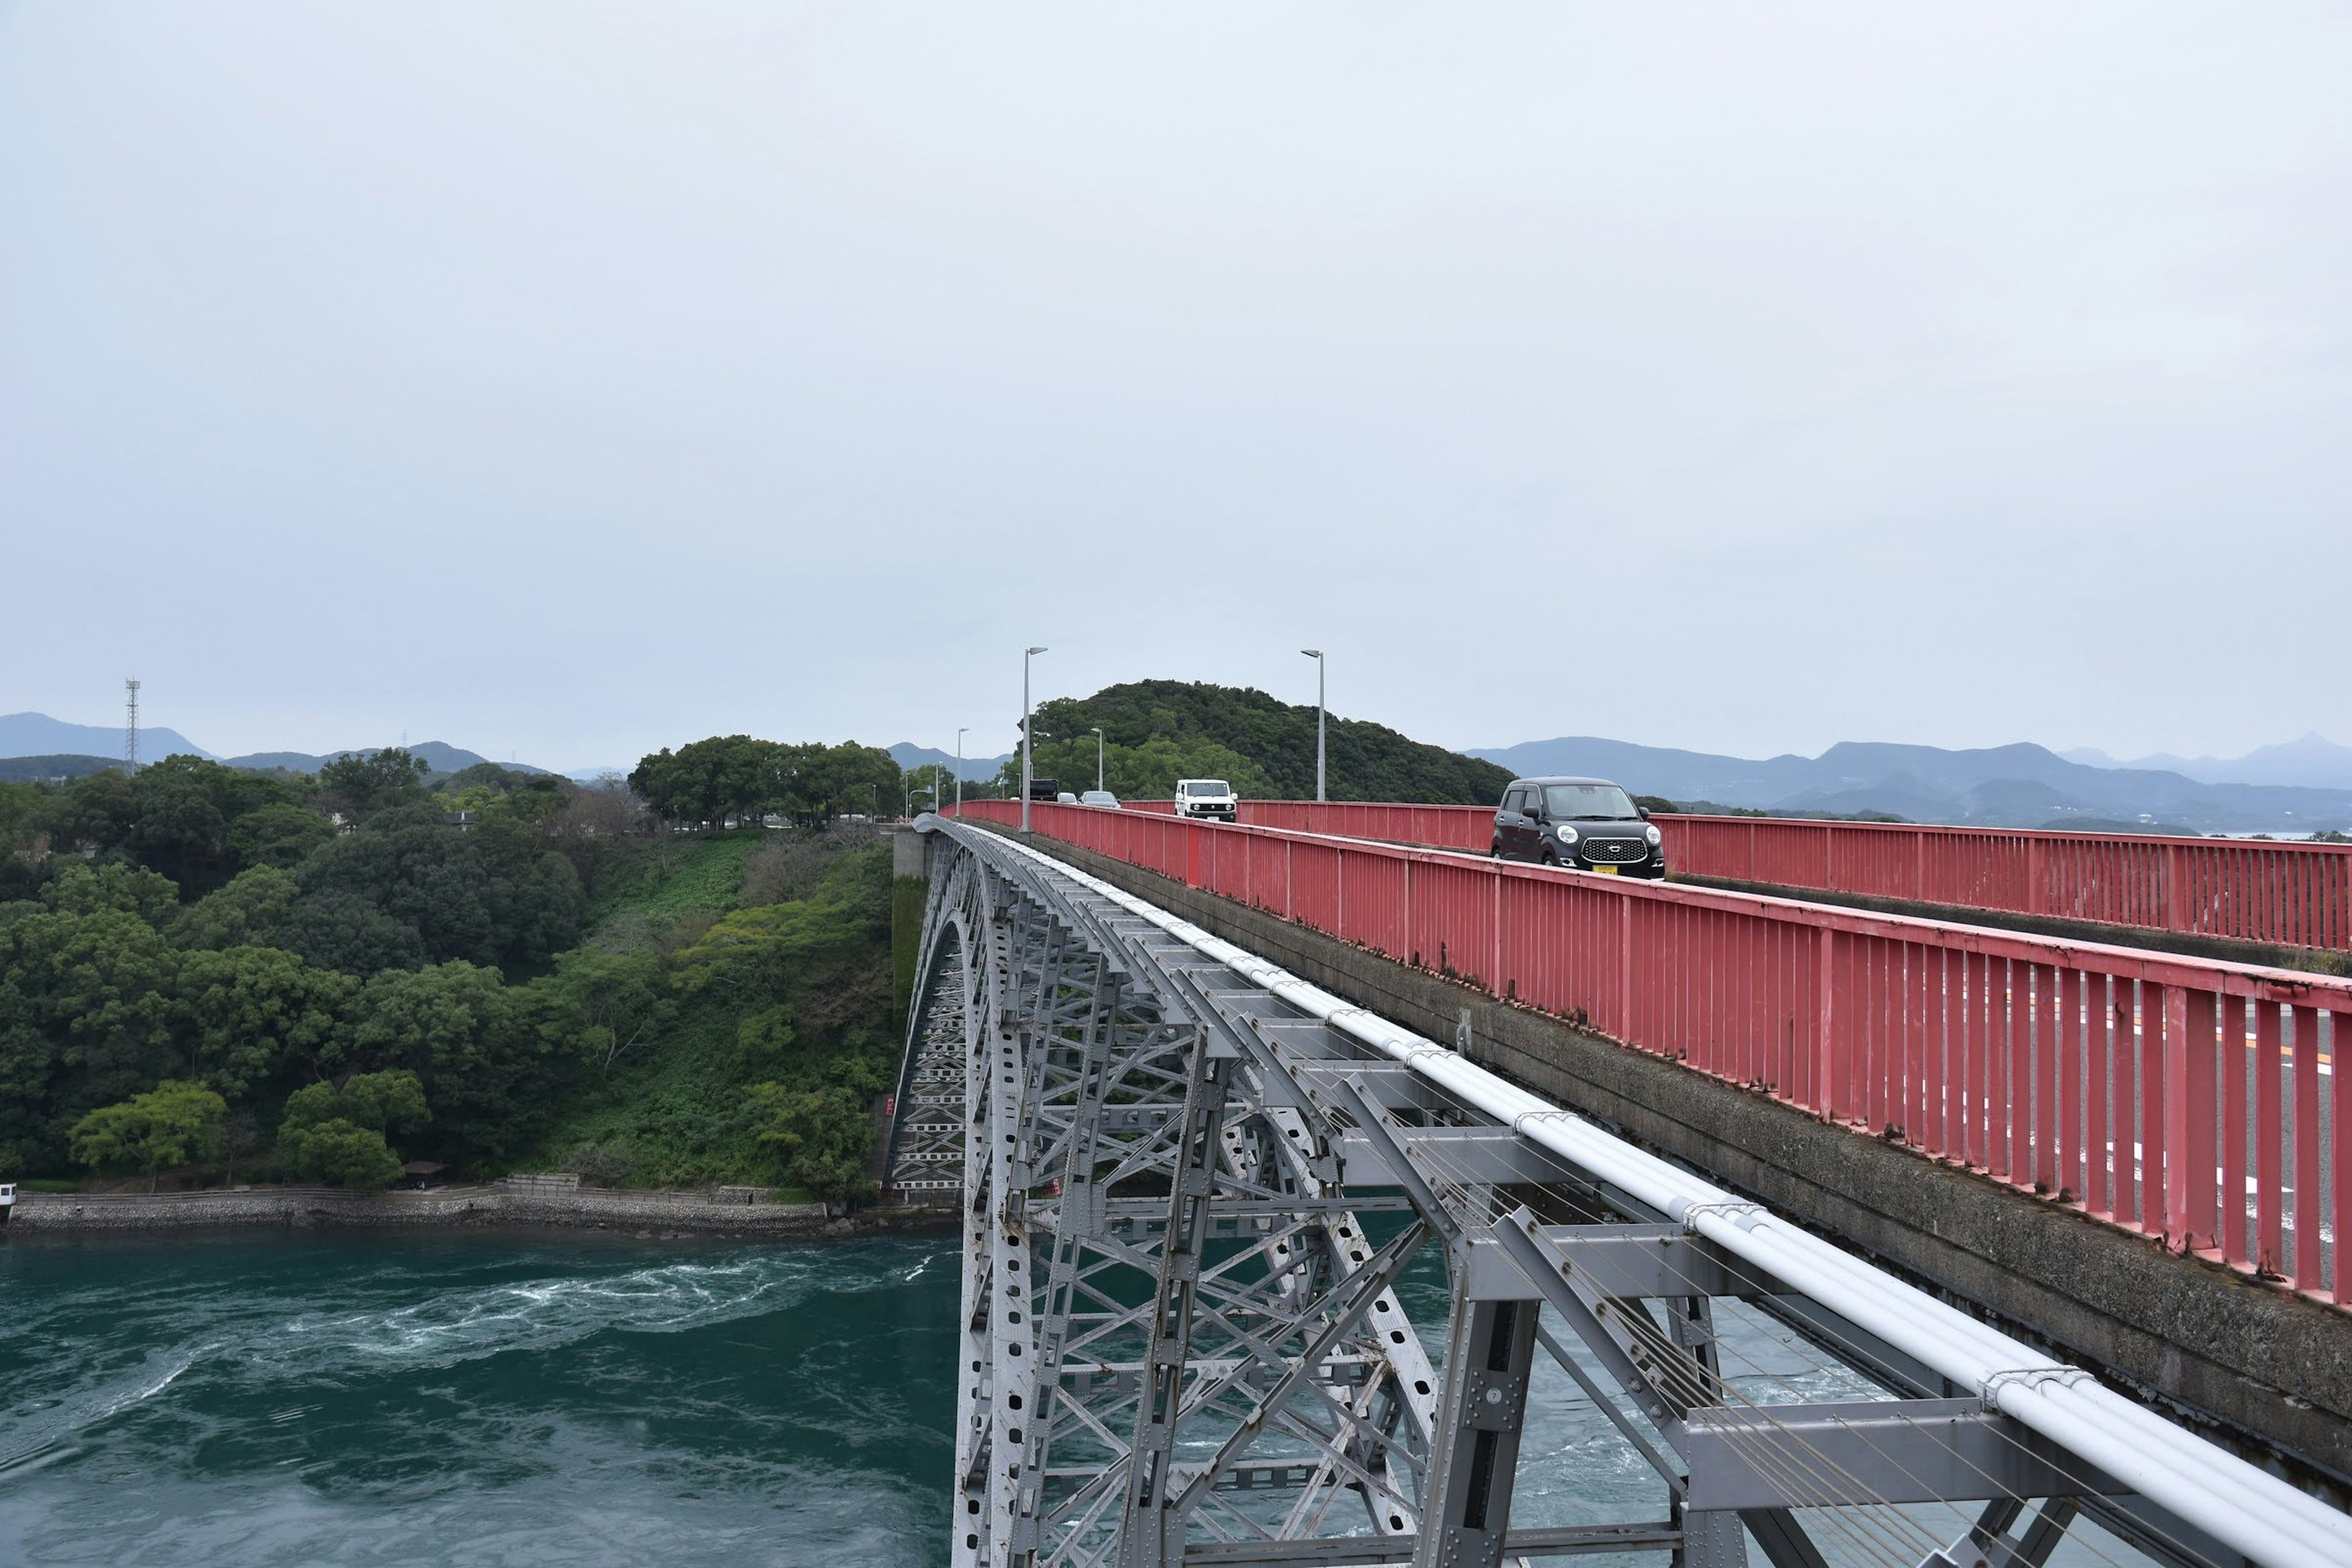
pixel 39 1429
pixel 469 1324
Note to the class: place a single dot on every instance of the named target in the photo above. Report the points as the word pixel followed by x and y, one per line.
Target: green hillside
pixel 1156 731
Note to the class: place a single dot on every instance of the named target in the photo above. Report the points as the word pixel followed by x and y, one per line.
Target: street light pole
pixel 1027 653
pixel 1098 749
pixel 1317 655
pixel 960 775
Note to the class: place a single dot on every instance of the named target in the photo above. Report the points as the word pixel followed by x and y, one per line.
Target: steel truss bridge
pixel 1192 1186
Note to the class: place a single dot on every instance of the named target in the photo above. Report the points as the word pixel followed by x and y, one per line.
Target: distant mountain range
pixel 439 755
pixel 88 746
pixel 906 754
pixel 2006 786
pixel 35 770
pixel 2314 762
pixel 38 735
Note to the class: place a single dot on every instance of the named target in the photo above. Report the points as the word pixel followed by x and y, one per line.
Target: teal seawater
pixel 570 1399
pixel 482 1398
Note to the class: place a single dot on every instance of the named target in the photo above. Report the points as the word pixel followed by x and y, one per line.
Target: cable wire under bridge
pixel 1194 1185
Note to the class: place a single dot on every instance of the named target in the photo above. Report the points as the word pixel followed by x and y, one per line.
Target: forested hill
pixel 1157 730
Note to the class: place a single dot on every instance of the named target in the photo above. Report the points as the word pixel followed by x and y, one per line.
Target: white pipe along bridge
pixel 1192 1184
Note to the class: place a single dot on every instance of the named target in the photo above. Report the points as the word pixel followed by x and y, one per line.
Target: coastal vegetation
pixel 213 972
pixel 210 973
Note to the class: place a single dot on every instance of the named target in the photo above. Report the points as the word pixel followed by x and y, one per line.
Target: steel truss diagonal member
pixel 1144 1542
pixel 1157 1263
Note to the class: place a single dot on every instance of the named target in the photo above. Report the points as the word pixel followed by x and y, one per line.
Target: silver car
pixel 1102 798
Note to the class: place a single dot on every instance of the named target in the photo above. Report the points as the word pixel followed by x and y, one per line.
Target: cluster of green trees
pixel 1157 732
pixel 707 782
pixel 111 989
pixel 320 977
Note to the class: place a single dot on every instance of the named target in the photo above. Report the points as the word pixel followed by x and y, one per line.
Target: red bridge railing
pixel 2184 1098
pixel 2288 895
pixel 2292 895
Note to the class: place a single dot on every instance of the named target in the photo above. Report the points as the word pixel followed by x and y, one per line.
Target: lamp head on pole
pixel 1312 652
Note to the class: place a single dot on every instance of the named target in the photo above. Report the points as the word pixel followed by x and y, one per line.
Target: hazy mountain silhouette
pixel 38 735
pixel 2019 785
pixel 2313 761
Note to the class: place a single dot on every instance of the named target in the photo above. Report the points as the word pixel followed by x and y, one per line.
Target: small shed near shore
pixel 422 1173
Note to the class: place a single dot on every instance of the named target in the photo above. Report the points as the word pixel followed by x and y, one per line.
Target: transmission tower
pixel 131 726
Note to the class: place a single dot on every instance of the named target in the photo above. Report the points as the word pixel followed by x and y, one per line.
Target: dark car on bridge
pixel 1590 824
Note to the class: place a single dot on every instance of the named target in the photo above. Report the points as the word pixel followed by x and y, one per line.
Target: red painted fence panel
pixel 2290 895
pixel 2186 1098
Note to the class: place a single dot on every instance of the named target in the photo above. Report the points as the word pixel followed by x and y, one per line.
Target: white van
pixel 1207 797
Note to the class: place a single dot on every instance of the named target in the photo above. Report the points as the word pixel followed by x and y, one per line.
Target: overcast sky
pixel 576 379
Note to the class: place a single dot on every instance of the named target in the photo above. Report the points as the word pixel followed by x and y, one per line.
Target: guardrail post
pixel 1825 1098
pixel 2339 1024
pixel 2168 1026
pixel 2269 1124
pixel 2199 1014
pixel 2304 1024
pixel 1623 1025
pixel 1495 933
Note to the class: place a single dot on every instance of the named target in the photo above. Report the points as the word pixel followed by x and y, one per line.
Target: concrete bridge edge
pixel 2255 1367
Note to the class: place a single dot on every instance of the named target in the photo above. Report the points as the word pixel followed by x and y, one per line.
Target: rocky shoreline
pixel 592 1208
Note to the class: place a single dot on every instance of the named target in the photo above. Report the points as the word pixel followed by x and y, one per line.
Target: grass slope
pixel 698 875
pixel 781 1032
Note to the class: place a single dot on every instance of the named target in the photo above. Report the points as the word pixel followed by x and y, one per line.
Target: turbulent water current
pixel 501 1398
pixel 480 1398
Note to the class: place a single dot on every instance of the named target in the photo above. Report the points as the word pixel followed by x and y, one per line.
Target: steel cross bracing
pixel 1180 1342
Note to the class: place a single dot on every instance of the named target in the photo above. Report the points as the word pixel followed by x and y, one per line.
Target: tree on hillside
pixel 1148 772
pixel 496 896
pixel 1367 762
pixel 242 1015
pixel 819 1137
pixel 249 910
pixel 705 782
pixel 96 989
pixel 338 1135
pixel 357 785
pixel 169 1125
pixel 278 835
pixel 345 932
pixel 702 781
pixel 134 891
pixel 624 998
pixel 495 1060
pixel 93 814
pixel 601 829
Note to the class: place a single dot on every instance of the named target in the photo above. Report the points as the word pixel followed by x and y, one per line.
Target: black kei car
pixel 1588 823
